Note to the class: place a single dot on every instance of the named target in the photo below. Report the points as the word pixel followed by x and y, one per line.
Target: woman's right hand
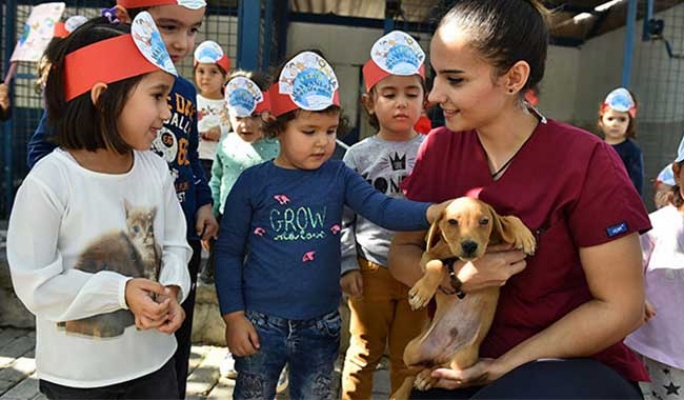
pixel 241 336
pixel 494 269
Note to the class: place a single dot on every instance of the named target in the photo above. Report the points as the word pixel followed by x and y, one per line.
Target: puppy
pixel 452 340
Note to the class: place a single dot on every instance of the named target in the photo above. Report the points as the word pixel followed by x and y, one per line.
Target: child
pixel 378 303
pixel 247 103
pixel 278 254
pixel 176 142
pixel 660 340
pixel 617 122
pixel 96 240
pixel 662 187
pixel 211 70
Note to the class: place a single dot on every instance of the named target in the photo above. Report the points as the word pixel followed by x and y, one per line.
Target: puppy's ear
pixel 433 235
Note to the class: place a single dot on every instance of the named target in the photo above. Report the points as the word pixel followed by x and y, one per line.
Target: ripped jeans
pixel 309 346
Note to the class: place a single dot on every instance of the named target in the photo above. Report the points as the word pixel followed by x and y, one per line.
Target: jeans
pixel 309 346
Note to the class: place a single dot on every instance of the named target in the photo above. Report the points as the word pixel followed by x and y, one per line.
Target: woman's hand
pixel 241 336
pixel 494 269
pixel 482 373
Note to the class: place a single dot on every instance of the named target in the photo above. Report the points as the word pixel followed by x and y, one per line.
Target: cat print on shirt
pixel 132 252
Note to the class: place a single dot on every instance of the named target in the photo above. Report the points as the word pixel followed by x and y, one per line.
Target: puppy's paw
pixel 526 242
pixel 420 294
pixel 424 381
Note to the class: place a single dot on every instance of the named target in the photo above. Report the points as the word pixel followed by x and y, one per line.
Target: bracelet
pixel 455 283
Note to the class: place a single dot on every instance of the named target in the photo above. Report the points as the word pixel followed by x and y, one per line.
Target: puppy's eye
pixel 484 221
pixel 452 222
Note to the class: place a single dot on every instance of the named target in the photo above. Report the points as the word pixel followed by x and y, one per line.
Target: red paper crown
pixel 372 74
pixel 264 104
pixel 129 4
pixel 91 64
pixel 282 103
pixel 60 30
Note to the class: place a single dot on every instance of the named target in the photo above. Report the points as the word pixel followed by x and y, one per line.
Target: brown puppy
pixel 453 338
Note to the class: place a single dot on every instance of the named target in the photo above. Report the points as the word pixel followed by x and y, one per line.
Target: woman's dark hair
pixel 80 124
pixel 372 118
pixel 276 126
pixel 505 32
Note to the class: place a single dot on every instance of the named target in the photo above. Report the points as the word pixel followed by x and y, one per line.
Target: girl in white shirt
pixel 96 241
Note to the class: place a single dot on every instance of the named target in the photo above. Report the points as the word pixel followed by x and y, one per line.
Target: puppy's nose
pixel 469 247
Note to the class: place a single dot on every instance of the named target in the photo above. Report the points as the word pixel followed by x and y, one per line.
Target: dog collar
pixel 455 283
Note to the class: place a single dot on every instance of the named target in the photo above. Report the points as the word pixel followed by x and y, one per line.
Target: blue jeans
pixel 309 346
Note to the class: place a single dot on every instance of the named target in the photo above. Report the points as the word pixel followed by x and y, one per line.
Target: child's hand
pixel 206 227
pixel 352 283
pixel 4 96
pixel 241 337
pixel 649 311
pixel 176 314
pixel 213 134
pixel 148 313
pixel 434 212
pixel 206 244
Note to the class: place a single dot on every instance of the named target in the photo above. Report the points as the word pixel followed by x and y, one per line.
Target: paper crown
pixel 63 29
pixel 620 100
pixel 244 98
pixel 191 4
pixel 210 52
pixel 396 53
pixel 112 60
pixel 680 152
pixel 666 176
pixel 307 82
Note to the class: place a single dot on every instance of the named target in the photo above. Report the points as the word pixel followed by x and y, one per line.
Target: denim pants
pixel 309 346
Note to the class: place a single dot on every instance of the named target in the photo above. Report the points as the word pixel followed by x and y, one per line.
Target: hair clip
pixel 110 14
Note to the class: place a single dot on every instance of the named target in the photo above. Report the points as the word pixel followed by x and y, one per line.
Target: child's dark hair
pixel 278 125
pixel 505 32
pixel 80 124
pixel 372 118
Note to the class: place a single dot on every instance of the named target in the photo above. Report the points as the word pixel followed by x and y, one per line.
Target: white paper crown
pixel 242 96
pixel 208 52
pixel 398 54
pixel 149 41
pixel 309 81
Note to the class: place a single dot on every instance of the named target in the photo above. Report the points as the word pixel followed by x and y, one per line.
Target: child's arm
pixel 40 280
pixel 216 178
pixel 176 252
pixel 39 146
pixel 392 214
pixel 241 337
pixel 231 246
pixel 205 224
pixel 351 280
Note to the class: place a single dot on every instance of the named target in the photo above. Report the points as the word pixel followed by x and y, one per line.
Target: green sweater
pixel 233 156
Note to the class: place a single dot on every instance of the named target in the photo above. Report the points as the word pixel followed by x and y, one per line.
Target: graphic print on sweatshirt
pixel 132 252
pixel 387 174
pixel 173 141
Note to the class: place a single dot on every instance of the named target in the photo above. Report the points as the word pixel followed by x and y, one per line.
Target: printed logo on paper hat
pixel 243 96
pixel 621 100
pixel 398 54
pixel 149 41
pixel 309 81
pixel 208 52
pixel 72 23
pixel 191 4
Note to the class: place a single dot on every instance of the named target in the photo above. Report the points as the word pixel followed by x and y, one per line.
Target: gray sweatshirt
pixel 384 164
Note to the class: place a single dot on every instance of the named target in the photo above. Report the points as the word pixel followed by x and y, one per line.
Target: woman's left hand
pixel 483 372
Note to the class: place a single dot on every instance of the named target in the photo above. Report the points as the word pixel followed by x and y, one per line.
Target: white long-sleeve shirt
pixel 62 213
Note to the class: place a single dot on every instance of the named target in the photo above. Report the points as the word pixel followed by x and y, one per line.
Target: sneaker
pixel 227 367
pixel 283 380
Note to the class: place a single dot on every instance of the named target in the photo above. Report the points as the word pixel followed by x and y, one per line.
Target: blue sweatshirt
pixel 176 142
pixel 279 248
pixel 633 159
